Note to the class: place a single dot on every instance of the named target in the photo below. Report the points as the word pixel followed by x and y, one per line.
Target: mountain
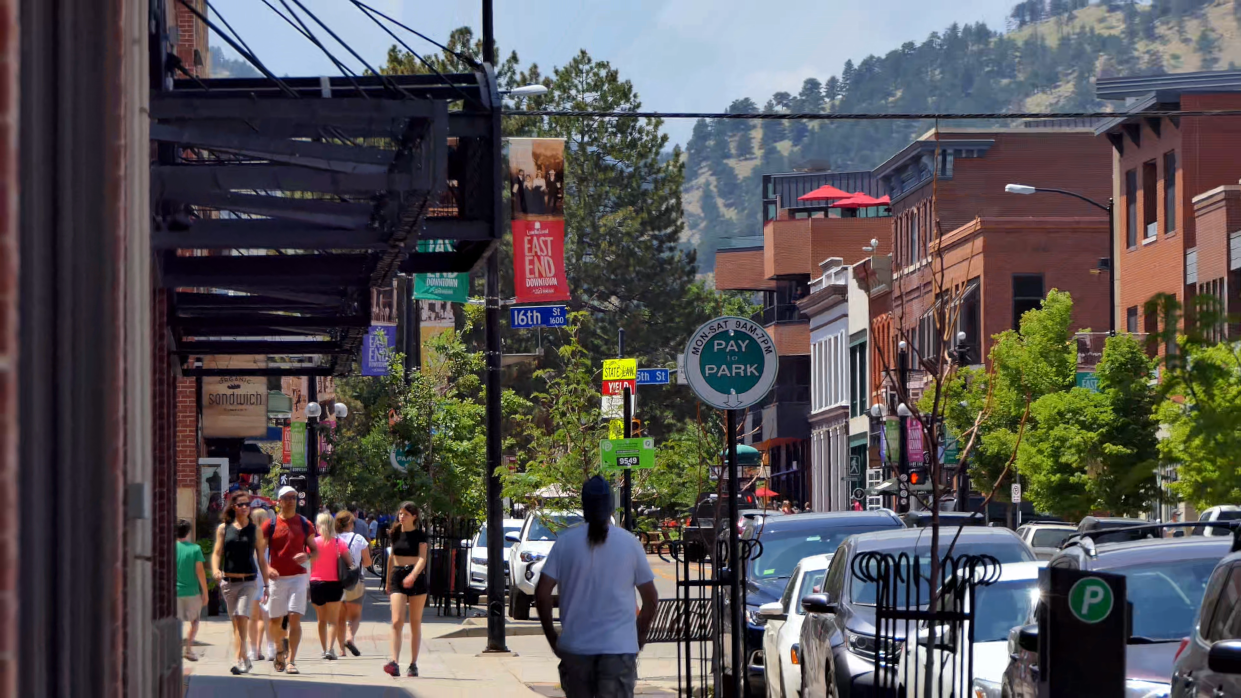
pixel 1047 60
pixel 222 66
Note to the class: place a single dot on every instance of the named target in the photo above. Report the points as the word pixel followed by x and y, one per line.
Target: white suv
pixel 530 548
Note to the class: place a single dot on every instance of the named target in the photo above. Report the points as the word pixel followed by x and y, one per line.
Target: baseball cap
pixel 285 490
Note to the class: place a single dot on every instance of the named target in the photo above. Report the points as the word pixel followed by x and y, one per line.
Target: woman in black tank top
pixel 407 584
pixel 232 563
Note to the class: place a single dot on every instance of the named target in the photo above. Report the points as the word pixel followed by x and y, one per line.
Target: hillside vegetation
pixel 1046 61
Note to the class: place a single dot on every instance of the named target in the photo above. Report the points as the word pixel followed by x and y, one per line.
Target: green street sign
pixel 950 450
pixel 1088 380
pixel 297 446
pixel 454 288
pixel 731 363
pixel 627 454
pixel 1090 600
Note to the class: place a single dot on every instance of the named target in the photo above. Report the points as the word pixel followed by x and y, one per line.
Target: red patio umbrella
pixel 885 200
pixel 824 193
pixel 765 493
pixel 858 200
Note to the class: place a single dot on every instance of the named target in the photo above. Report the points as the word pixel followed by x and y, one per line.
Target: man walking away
pixel 597 566
pixel 191 584
pixel 290 539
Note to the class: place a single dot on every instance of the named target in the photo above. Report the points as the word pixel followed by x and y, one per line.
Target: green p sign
pixel 1090 600
pixel 627 454
pixel 731 362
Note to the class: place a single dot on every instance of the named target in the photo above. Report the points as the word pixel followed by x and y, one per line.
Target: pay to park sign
pixel 731 362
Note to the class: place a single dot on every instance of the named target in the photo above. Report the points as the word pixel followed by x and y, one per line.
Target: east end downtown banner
pixel 536 187
pixel 451 287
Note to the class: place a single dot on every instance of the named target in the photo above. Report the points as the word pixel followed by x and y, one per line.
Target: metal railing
pixel 783 312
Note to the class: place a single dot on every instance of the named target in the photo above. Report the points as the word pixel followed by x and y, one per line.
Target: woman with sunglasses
pixel 233 564
pixel 406 585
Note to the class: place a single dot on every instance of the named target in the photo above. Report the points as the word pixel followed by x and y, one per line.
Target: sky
pixel 681 55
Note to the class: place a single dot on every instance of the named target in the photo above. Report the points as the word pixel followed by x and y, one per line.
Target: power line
pixel 464 58
pixel 386 80
pixel 866 116
pixel 301 27
pixel 245 52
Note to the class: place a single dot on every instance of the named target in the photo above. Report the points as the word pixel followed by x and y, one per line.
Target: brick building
pixel 1174 182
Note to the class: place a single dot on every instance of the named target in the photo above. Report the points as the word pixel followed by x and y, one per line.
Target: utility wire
pixel 305 31
pixel 463 58
pixel 245 53
pixel 386 80
pixel 866 116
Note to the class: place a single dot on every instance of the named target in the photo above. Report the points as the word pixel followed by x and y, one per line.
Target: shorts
pixel 238 596
pixel 189 608
pixel 398 576
pixel 355 593
pixel 603 675
pixel 287 595
pixel 325 592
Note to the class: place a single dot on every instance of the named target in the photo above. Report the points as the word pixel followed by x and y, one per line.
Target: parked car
pixel 530 548
pixel 782 672
pixel 922 519
pixel 949 656
pixel 839 647
pixel 1045 538
pixel 785 541
pixel 1208 662
pixel 478 556
pixel 1165 579
pixel 1223 512
pixel 703 526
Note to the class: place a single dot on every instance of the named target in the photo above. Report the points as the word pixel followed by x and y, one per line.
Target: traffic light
pixel 918 476
pixel 635 427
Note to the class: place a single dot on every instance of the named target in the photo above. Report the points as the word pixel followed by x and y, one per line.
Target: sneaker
pixel 352 648
pixel 330 656
pixel 251 655
pixel 392 669
pixel 260 656
pixel 271 649
pixel 249 665
pixel 189 654
pixel 413 669
pixel 238 669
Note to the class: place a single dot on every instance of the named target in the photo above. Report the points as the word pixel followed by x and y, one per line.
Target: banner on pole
pixel 376 347
pixel 297 445
pixel 286 446
pixel 536 186
pixel 450 287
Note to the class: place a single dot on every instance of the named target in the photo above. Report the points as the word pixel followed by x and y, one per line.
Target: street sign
pixel 401 458
pixel 530 316
pixel 950 450
pixel 1016 493
pixel 855 466
pixel 859 494
pixel 622 454
pixel 653 376
pixel 731 362
pixel 613 406
pixel 620 369
pixel 1090 600
pixel 616 429
pixel 618 387
pixel 1087 615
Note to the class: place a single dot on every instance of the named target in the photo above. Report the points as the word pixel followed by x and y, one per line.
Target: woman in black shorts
pixel 406 584
pixel 326 590
pixel 234 568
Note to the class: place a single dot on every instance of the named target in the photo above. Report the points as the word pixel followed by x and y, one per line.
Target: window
pixel 1150 226
pixel 858 386
pixel 1131 320
pixel 913 237
pixel 1027 295
pixel 969 321
pixel 1169 192
pixel 771 212
pixel 1131 208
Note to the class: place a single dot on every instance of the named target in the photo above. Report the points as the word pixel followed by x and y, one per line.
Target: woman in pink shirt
pixel 326 591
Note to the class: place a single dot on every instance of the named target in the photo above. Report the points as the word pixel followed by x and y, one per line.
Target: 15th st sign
pixel 731 362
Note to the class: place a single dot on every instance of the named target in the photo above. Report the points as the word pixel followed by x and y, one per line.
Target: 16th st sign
pixel 731 363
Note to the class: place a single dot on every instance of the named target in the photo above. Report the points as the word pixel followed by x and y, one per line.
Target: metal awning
pixel 279 205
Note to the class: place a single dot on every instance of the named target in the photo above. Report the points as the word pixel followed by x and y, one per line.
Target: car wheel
pixel 519 605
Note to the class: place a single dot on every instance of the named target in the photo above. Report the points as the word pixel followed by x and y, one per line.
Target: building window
pixel 771 212
pixel 1027 295
pixel 969 321
pixel 913 237
pixel 1169 192
pixel 1131 208
pixel 1131 320
pixel 1150 218
pixel 858 385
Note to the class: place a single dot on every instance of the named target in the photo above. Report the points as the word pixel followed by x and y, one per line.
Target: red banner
pixel 618 387
pixel 538 261
pixel 287 446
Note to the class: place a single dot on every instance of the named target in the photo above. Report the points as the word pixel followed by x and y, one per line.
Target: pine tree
pixel 1207 46
pixel 744 149
pixel 697 149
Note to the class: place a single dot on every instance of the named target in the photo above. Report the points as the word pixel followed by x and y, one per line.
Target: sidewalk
pixel 449 663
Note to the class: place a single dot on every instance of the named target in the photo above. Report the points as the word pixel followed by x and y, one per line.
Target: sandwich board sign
pixel 731 363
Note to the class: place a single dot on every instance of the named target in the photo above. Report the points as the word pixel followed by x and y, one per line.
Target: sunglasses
pixel 242 504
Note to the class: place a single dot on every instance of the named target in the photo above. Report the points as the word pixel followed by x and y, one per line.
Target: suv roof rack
pixel 1077 538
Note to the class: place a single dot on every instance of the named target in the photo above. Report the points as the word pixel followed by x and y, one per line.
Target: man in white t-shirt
pixel 597 567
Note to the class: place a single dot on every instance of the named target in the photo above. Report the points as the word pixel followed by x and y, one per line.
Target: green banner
pixel 297 449
pixel 1088 380
pixel 454 288
pixel 623 454
pixel 950 450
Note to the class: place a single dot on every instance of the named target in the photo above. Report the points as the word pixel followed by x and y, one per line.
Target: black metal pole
pixel 1111 266
pixel 415 323
pixel 734 561
pixel 902 463
pixel 627 490
pixel 495 516
pixel 402 323
pixel 312 453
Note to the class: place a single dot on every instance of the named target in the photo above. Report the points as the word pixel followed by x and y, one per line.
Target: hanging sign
pixel 297 445
pixel 536 188
pixel 627 454
pixel 914 448
pixel 453 288
pixel 376 348
pixel 620 369
pixel 286 445
pixel 731 362
pixel 234 407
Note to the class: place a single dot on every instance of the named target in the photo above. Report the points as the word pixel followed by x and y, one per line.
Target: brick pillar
pixel 9 502
pixel 191 36
pixel 186 425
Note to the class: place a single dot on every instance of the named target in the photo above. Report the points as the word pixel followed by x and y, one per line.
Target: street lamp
pixel 526 91
pixel 1109 207
pixel 903 412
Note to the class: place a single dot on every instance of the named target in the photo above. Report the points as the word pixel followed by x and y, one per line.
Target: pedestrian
pixel 806 508
pixel 233 564
pixel 372 527
pixel 597 567
pixel 406 585
pixel 258 607
pixel 787 508
pixel 326 591
pixel 289 538
pixel 351 608
pixel 191 585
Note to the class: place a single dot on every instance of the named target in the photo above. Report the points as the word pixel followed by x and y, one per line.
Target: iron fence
pixel 448 547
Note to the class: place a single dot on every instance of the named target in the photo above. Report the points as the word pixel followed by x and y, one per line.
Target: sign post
pixel 731 363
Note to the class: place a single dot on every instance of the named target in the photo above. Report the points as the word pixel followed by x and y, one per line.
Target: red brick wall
pixel 1216 216
pixel 791 338
pixel 9 501
pixel 186 421
pixel 741 270
pixel 795 247
pixel 192 35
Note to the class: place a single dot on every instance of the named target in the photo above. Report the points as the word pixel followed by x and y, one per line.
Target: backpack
pixel 269 528
pixel 348 573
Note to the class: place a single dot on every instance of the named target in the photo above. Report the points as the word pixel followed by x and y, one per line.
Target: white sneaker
pixel 249 665
pixel 251 655
pixel 329 655
pixel 271 649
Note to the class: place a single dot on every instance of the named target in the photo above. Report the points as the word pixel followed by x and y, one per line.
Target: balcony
pixel 783 312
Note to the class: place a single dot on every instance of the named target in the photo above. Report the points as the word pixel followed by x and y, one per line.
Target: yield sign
pixel 618 387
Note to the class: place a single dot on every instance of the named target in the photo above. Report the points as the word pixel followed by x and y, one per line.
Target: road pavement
pixel 451 662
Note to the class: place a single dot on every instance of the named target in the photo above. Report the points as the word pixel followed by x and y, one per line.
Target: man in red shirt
pixel 290 539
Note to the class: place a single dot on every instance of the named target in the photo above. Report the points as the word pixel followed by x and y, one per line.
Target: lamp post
pixel 1110 208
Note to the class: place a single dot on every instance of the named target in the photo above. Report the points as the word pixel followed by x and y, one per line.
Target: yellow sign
pixel 616 429
pixel 620 369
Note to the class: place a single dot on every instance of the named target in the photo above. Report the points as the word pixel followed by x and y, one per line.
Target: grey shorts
pixel 602 675
pixel 238 596
pixel 189 608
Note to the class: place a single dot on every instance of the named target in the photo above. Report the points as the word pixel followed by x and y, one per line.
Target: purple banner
pixel 375 349
pixel 917 453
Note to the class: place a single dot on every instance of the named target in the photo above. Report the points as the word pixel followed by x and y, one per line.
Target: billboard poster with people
pixel 536 186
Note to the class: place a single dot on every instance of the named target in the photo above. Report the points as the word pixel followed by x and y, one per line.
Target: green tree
pixel 1207 46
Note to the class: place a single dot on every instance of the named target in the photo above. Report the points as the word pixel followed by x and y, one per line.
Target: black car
pixel 785 541
pixel 838 646
pixel 1208 663
pixel 1165 579
pixel 1092 524
pixel 922 519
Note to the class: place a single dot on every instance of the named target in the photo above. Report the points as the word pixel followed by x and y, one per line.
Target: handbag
pixel 348 573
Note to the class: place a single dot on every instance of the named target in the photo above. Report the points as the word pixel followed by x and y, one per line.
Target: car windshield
pixel 864 593
pixel 782 550
pixel 1165 596
pixel 1229 516
pixel 811 584
pixel 482 536
pixel 545 527
pixel 1001 607
pixel 1050 537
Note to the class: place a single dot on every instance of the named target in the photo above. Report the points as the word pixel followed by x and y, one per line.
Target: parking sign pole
pixel 627 491
pixel 734 555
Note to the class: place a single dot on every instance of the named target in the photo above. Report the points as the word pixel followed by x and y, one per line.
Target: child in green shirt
pixel 191 584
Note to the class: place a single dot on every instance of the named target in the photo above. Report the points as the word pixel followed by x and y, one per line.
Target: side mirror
pixel 772 611
pixel 1027 638
pixel 818 603
pixel 512 537
pixel 1224 657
